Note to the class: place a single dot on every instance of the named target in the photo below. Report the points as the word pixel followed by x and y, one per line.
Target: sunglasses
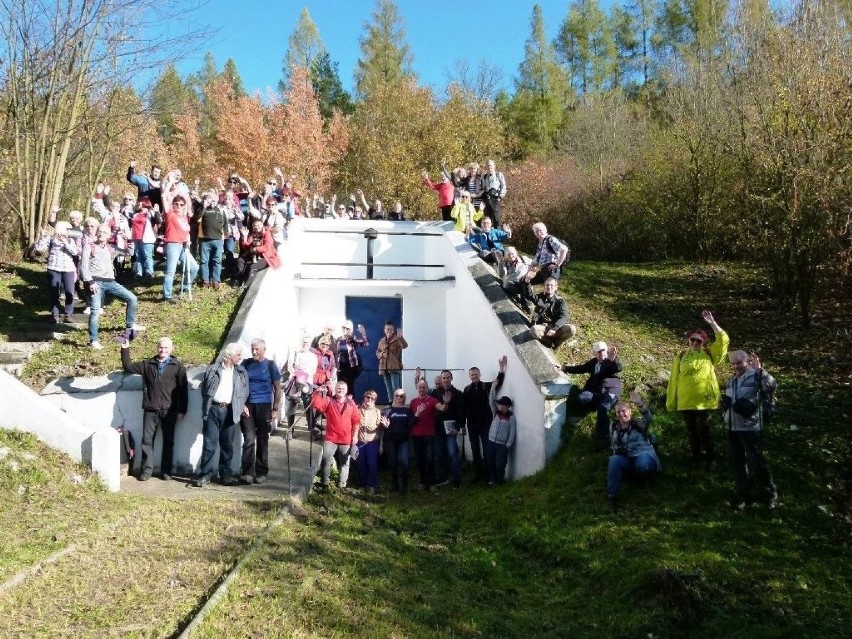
pixel 370 398
pixel 696 339
pixel 399 394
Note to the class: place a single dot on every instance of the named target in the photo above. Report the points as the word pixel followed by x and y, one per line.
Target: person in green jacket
pixel 693 388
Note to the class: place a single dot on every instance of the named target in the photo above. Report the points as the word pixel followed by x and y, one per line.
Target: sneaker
pixel 68 319
pixel 230 481
pixel 201 482
pixel 87 311
pixel 217 285
pixel 144 476
pixel 442 483
pixel 373 490
pixel 260 479
pixel 246 479
pixel 773 502
pixel 166 477
pixel 137 327
pixel 740 506
pixel 96 346
pixel 170 300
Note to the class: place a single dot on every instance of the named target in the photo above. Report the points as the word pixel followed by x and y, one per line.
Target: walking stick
pixel 182 270
pixel 287 439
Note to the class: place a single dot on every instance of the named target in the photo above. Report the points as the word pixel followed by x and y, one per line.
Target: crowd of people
pixel 233 232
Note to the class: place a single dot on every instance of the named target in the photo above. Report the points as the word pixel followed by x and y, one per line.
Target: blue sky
pixel 254 33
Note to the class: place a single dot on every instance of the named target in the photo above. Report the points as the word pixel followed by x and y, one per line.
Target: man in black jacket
pixel 550 317
pixel 449 417
pixel 478 416
pixel 165 396
pixel 603 388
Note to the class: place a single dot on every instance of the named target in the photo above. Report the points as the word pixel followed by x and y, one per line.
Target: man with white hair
pixel 603 387
pixel 264 397
pixel 550 256
pixel 224 392
pixel 744 416
pixel 165 397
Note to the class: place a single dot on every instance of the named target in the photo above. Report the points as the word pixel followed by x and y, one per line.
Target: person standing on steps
pixel 693 389
pixel 165 397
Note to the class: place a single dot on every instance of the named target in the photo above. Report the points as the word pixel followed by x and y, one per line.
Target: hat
pixel 505 401
pixel 599 346
pixel 347 324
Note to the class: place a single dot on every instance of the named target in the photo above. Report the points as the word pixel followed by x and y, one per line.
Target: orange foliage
pixel 187 150
pixel 301 146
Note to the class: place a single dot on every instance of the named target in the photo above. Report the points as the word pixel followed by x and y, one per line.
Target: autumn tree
pixel 385 56
pixel 62 64
pixel 167 97
pixel 311 151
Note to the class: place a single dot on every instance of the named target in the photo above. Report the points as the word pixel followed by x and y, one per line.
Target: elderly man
pixel 493 191
pixel 478 415
pixel 98 274
pixel 264 397
pixel 743 415
pixel 224 391
pixel 603 387
pixel 341 433
pixel 449 416
pixel 165 397
pixel 488 241
pixel 550 256
pixel 550 317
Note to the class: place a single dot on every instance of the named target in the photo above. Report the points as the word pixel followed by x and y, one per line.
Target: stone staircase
pixel 18 347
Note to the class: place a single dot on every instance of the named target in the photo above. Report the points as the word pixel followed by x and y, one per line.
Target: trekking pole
pixel 183 270
pixel 186 256
pixel 287 439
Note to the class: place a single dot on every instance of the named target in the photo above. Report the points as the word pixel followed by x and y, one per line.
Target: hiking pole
pixel 182 270
pixel 287 437
pixel 186 255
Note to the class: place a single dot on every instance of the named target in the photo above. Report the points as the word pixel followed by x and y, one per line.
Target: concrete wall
pixel 115 400
pixel 83 437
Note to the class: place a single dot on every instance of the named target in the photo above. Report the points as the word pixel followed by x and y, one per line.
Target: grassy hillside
pixel 543 557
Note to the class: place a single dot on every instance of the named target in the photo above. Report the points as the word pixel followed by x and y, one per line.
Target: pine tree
pixel 329 91
pixel 167 98
pixel 304 47
pixel 585 42
pixel 230 73
pixel 542 91
pixel 385 56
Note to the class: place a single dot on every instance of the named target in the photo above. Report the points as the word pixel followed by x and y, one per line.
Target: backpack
pixel 555 249
pixel 768 407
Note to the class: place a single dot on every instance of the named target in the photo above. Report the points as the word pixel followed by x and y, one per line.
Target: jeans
pixel 398 454
pixel 745 450
pixel 621 467
pixel 230 260
pixel 113 288
pixel 255 428
pixel 218 431
pixel 340 454
pixel 211 259
pixel 61 282
pixel 498 458
pixel 368 464
pixel 393 382
pixel 144 255
pixel 151 421
pixel 453 460
pixel 424 452
pixel 175 255
pixel 698 429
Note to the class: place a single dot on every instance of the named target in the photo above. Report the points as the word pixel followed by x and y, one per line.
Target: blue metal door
pixel 372 312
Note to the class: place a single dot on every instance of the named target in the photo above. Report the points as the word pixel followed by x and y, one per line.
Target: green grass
pixel 542 557
pixel 197 328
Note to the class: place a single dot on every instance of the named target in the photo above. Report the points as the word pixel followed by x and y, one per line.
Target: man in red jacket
pixel 341 433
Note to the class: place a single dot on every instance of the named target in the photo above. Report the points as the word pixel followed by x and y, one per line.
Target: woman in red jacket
pixel 257 251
